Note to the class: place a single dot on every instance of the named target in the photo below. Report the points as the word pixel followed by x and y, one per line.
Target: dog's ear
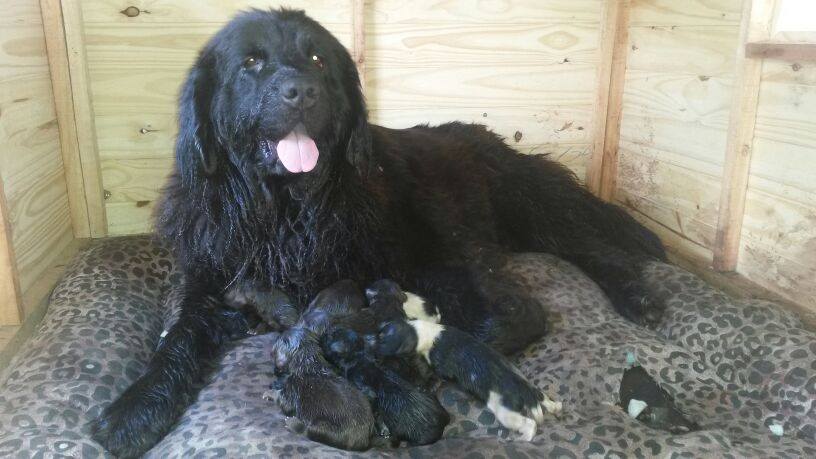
pixel 196 149
pixel 360 146
pixel 359 149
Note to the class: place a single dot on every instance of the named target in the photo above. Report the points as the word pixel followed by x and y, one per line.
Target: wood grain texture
pixel 706 51
pixel 11 301
pixel 602 172
pixel 196 11
pixel 756 24
pixel 387 12
pixel 64 105
pixel 36 205
pixel 793 52
pixel 84 116
pixel 686 12
pixel 436 45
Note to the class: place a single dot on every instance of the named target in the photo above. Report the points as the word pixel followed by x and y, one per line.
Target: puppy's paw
pixel 513 419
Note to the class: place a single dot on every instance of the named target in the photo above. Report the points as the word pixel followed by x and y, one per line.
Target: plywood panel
pixel 193 11
pixel 451 44
pixel 703 50
pixel 683 200
pixel 130 217
pixel 30 159
pixel 778 245
pixel 686 12
pixel 135 180
pixel 477 86
pixel 478 11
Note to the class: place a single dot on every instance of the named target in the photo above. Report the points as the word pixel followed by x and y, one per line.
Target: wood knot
pixel 131 11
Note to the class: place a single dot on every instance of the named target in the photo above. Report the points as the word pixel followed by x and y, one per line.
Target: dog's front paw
pixel 132 424
pixel 333 411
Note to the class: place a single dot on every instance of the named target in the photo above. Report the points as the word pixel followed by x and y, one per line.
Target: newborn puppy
pixel 409 413
pixel 332 410
pixel 471 364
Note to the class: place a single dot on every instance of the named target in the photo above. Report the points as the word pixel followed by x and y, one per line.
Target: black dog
pixel 281 183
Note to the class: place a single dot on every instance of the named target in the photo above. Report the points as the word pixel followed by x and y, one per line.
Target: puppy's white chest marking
pixel 414 308
pixel 427 334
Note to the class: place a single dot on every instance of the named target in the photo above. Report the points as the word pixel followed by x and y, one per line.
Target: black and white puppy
pixel 408 412
pixel 471 364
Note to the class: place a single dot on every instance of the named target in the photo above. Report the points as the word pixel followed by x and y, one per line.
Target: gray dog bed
pixel 740 369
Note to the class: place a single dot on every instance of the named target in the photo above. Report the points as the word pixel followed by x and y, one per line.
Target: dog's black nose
pixel 299 93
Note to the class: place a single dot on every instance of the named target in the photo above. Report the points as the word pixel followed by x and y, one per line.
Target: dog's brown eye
pixel 251 61
pixel 317 61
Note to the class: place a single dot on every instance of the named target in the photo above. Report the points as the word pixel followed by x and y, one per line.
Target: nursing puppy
pixel 408 412
pixel 331 409
pixel 458 357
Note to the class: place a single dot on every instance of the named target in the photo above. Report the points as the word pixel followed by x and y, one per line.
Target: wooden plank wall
pixel 527 68
pixel 30 159
pixel 677 100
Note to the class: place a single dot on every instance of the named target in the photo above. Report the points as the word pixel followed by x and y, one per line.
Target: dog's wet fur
pixel 378 203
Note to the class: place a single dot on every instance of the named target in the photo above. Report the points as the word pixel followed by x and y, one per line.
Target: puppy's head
pixel 272 94
pixel 396 338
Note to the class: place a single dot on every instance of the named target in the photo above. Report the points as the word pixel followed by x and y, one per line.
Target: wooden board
pixel 195 11
pixel 756 23
pixel 686 12
pixel 36 205
pixel 602 173
pixel 683 200
pixel 479 11
pixel 443 45
pixel 64 104
pixel 11 301
pixel 706 51
pixel 73 27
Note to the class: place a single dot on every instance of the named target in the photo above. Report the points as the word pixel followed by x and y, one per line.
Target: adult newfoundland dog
pixel 280 182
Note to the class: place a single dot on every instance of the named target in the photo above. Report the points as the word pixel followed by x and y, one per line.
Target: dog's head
pixel 272 95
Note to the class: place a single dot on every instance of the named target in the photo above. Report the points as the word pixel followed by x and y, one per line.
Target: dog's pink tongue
pixel 297 151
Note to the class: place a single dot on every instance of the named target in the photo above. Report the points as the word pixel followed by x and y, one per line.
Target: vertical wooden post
pixel 757 17
pixel 11 304
pixel 602 169
pixel 358 39
pixel 51 11
pixel 62 23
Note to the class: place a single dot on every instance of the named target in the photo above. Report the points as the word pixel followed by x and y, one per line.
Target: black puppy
pixel 457 356
pixel 332 410
pixel 408 412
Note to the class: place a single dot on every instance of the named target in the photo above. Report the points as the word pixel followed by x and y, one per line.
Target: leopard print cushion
pixel 734 367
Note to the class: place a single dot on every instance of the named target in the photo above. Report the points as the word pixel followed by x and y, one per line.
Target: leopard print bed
pixel 737 368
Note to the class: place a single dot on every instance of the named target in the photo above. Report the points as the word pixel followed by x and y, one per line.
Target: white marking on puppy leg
pixel 538 413
pixel 163 334
pixel 636 407
pixel 427 333
pixel 551 406
pixel 511 419
pixel 414 308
